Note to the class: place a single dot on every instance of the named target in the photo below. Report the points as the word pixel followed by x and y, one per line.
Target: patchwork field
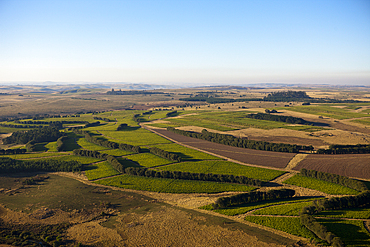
pixel 102 205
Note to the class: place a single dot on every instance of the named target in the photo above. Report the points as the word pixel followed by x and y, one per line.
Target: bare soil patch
pixel 249 156
pixel 349 165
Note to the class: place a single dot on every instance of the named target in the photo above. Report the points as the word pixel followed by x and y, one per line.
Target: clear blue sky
pixel 186 41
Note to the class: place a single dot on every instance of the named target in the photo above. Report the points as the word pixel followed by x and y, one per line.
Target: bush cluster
pixel 171 114
pixel 254 196
pixel 44 134
pixel 31 146
pixel 240 142
pixel 165 154
pixel 61 143
pixel 121 127
pixel 8 165
pixel 334 178
pixel 278 118
pixel 141 171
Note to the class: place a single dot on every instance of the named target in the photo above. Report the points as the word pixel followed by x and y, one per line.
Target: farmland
pixel 157 186
pixel 315 184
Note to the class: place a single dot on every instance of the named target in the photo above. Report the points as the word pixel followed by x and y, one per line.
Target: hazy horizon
pixel 185 42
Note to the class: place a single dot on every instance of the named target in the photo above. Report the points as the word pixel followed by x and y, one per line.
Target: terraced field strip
pixel 349 165
pixel 247 156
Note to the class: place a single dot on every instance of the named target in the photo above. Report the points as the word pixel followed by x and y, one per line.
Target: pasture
pixel 100 170
pixel 149 160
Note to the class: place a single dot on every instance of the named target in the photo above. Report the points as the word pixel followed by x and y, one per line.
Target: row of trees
pixel 254 196
pixel 8 165
pixel 95 154
pixel 171 114
pixel 50 122
pixel 334 178
pixel 131 92
pixel 45 134
pixel 346 149
pixel 104 119
pixel 106 143
pixel 165 154
pixel 278 118
pixel 13 151
pixel 242 143
pixel 141 171
pixel 334 203
pixel 19 126
pixel 320 231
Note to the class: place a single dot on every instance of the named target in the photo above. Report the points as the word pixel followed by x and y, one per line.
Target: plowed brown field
pixel 350 165
pixel 249 156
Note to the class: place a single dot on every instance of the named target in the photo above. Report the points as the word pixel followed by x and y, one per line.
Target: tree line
pixel 253 196
pixel 104 119
pixel 165 154
pixel 320 231
pixel 334 178
pixel 142 171
pixel 44 134
pixel 278 118
pixel 346 149
pixel 106 143
pixel 13 151
pixel 8 165
pixel 95 154
pixel 49 122
pixel 131 92
pixel 334 203
pixel 240 142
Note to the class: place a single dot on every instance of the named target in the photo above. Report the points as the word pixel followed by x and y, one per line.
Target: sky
pixel 180 42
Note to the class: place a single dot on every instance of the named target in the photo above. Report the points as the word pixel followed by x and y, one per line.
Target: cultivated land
pixel 169 202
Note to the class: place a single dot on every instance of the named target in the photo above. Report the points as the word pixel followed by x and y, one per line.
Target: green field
pixel 327 111
pixel 88 145
pixel 351 232
pixel 186 154
pixel 242 209
pixel 323 186
pixel 285 224
pixel 224 121
pixel 355 213
pixel 165 185
pixel 82 160
pixel 149 160
pixel 365 121
pixel 291 209
pixel 224 167
pixel 100 170
pixel 116 152
pixel 136 137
